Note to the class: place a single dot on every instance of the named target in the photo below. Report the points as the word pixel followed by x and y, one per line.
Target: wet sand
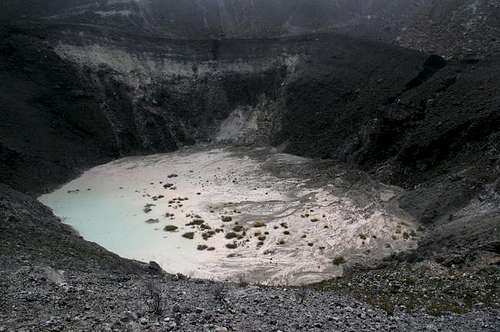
pixel 234 214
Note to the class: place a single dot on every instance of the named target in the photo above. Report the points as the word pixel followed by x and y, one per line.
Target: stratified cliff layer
pixel 123 94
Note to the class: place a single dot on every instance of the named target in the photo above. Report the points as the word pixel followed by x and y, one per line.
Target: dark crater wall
pixel 81 112
pixel 90 94
pixel 60 117
pixel 81 95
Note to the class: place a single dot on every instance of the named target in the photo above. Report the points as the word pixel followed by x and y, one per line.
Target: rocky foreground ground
pixel 52 280
pixel 39 298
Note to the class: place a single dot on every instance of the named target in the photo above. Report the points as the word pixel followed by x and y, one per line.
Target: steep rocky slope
pixel 140 94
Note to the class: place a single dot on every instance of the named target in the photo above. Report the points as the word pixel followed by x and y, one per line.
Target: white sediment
pixel 106 205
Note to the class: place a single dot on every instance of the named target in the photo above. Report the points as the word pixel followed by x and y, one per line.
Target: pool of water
pixel 232 214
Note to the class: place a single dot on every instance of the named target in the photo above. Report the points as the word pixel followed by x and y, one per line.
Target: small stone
pixel 231 235
pixel 170 228
pixel 259 224
pixel 188 235
pixel 220 329
pixel 129 316
pixel 231 246
pixel 238 228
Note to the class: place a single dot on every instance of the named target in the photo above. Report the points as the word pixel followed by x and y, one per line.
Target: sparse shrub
pixel 153 298
pixel 242 280
pixel 362 236
pixel 188 235
pixel 231 245
pixel 238 228
pixel 226 218
pixel 148 208
pixel 301 294
pixel 196 222
pixel 259 224
pixel 339 260
pixel 202 247
pixel 170 228
pixel 219 292
pixel 231 235
pixel 180 276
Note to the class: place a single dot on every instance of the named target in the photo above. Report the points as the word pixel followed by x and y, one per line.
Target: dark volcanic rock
pixel 89 81
pixel 170 228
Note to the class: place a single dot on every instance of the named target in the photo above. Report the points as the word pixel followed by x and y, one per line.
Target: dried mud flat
pixel 237 213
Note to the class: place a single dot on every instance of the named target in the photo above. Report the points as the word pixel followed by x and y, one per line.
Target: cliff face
pixel 117 94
